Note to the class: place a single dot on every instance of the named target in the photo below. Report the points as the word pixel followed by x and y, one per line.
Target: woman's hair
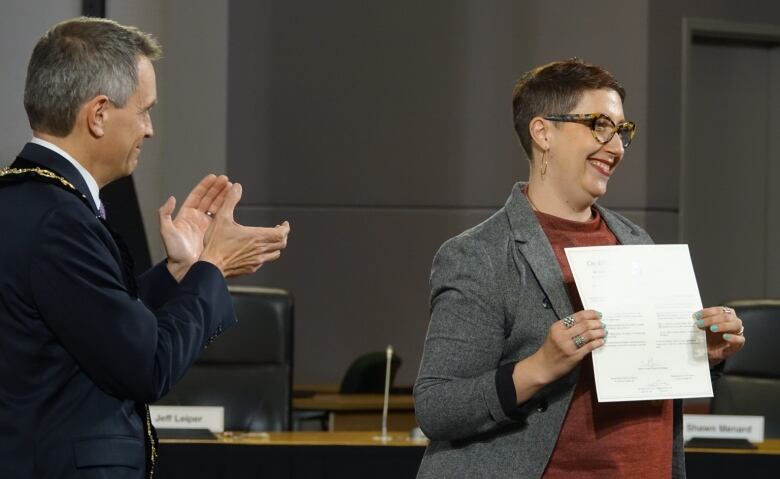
pixel 555 89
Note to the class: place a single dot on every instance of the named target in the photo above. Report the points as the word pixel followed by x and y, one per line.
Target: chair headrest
pixel 263 333
pixel 761 355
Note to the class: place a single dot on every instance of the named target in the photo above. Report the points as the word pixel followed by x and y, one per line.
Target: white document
pixel 647 295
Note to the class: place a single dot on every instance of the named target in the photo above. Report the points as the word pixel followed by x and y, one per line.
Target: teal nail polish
pixel 727 336
pixel 714 328
pixel 600 315
pixel 603 325
pixel 697 315
pixel 700 323
pixel 606 333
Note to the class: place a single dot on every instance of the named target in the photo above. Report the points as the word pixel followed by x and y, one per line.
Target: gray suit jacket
pixel 495 291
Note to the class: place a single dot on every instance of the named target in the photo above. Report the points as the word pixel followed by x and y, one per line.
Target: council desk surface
pixel 397 439
pixel 348 455
pixel 307 438
pixel 292 455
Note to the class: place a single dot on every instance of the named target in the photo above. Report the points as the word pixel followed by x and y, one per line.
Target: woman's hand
pixel 724 332
pixel 568 341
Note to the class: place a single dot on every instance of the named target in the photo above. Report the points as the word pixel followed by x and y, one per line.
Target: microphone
pixel 384 436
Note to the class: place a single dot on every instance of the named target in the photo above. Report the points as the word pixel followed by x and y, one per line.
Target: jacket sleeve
pixel 455 392
pixel 128 350
pixel 156 286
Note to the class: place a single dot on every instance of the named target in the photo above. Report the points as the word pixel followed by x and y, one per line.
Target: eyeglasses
pixel 601 126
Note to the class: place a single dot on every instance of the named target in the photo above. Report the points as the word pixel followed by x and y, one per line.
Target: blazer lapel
pixel 36 155
pixel 626 233
pixel 533 245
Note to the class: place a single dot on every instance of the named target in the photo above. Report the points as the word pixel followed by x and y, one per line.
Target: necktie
pixel 102 211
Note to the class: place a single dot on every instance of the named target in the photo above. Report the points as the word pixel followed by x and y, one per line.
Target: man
pixel 85 346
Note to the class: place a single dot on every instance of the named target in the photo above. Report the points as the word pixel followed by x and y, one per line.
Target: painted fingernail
pixel 603 325
pixel 600 315
pixel 700 323
pixel 727 337
pixel 697 315
pixel 714 328
pixel 606 333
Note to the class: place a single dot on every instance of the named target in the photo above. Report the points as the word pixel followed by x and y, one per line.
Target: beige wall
pixel 381 129
pixel 22 22
pixel 189 119
pixel 378 129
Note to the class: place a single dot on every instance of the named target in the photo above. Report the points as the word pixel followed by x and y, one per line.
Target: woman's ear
pixel 538 127
pixel 97 113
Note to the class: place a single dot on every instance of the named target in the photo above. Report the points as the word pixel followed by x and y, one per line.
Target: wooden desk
pixel 344 455
pixel 360 412
pixel 292 455
pixel 307 438
pixel 769 446
pixel 763 462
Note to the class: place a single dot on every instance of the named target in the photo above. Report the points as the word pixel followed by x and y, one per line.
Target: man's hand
pixel 183 236
pixel 237 249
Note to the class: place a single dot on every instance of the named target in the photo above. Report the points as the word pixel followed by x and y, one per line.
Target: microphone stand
pixel 384 437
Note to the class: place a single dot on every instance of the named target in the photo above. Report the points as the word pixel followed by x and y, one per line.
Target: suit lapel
pixel 36 155
pixel 33 155
pixel 533 245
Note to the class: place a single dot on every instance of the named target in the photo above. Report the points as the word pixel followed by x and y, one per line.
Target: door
pixel 730 211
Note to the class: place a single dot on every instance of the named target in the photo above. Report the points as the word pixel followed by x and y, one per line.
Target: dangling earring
pixel 544 163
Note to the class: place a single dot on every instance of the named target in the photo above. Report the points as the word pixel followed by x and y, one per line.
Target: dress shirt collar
pixel 94 191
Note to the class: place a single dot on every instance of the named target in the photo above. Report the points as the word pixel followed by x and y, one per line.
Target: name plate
pixel 188 417
pixel 723 427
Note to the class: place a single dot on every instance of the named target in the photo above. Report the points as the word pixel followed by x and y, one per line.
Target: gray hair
pixel 77 60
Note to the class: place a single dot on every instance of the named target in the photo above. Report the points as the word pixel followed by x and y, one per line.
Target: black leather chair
pixel 366 374
pixel 248 369
pixel 750 383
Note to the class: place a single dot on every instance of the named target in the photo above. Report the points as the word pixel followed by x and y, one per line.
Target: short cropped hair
pixel 555 89
pixel 77 60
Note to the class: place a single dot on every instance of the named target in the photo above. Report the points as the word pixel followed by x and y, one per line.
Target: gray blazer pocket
pixel 109 451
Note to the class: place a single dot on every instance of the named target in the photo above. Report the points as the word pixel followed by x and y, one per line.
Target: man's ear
pixel 540 133
pixel 97 111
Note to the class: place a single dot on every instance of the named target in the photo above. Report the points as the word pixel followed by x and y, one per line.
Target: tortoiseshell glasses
pixel 601 126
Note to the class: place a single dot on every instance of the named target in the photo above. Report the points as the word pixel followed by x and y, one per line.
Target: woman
pixel 506 388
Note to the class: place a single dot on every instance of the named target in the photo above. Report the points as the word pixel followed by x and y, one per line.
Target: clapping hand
pixel 183 235
pixel 237 249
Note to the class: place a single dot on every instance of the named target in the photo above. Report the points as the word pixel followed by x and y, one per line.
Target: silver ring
pixel 209 214
pixel 741 330
pixel 579 341
pixel 726 310
pixel 568 321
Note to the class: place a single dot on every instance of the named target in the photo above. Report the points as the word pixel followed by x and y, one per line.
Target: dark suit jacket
pixel 79 350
